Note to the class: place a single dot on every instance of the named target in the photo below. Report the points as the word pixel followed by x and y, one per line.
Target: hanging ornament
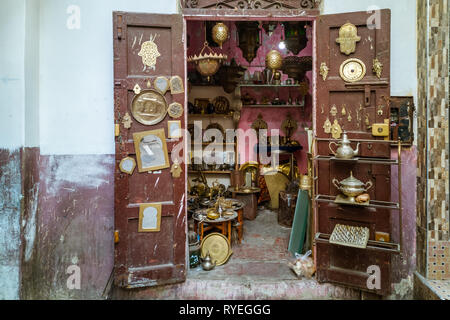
pixel 344 110
pixel 334 110
pixel 274 60
pixel 220 33
pixel 208 64
pixel 336 130
pixel 327 126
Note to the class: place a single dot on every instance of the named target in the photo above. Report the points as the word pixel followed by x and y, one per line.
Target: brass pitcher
pixel 344 150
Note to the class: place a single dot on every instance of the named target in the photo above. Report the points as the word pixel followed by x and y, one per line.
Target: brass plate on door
pixel 380 129
pixel 352 70
pixel 149 107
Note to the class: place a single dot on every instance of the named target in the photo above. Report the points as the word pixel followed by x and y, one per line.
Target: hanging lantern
pixel 249 35
pixel 274 60
pixel 295 36
pixel 220 33
pixel 207 64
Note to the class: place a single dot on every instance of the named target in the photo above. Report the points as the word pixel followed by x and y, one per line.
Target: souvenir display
pixel 249 38
pixel 336 130
pixel 207 64
pixel 151 150
pixel 218 246
pixel 150 217
pixel 127 165
pixel 230 75
pixel 220 33
pixel 176 85
pixel 352 70
pixel 348 37
pixel 175 110
pixel 352 187
pixel 176 170
pixel 174 129
pixel 324 71
pixel 149 53
pixel 350 236
pixel 161 85
pixel 149 107
pixel 212 131
pixel 221 105
pixel 344 150
pixel 377 67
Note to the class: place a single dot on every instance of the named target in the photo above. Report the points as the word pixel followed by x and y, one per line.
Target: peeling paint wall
pixel 10 206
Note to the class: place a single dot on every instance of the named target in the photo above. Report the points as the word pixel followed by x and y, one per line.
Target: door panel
pixel 362 100
pixel 144 259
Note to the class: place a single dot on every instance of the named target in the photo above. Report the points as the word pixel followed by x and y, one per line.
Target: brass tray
pixel 350 236
pixel 218 247
pixel 340 199
pixel 149 107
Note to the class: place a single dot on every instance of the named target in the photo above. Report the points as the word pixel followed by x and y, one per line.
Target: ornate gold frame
pixel 137 137
pixel 142 208
pixel 169 134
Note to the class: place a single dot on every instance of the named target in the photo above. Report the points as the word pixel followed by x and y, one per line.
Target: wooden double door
pixel 152 259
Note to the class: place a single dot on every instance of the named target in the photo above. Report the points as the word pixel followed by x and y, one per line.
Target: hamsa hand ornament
pixel 348 37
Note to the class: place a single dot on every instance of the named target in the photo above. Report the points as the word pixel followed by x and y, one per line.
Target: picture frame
pixel 150 217
pixel 176 85
pixel 151 150
pixel 174 129
pixel 127 165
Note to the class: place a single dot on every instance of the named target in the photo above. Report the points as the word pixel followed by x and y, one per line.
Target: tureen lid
pixel 352 181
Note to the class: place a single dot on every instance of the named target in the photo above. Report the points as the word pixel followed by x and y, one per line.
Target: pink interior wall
pixel 273 116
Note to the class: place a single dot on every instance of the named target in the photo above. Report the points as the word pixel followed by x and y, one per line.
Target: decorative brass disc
pixel 175 110
pixel 218 247
pixel 149 107
pixel 353 70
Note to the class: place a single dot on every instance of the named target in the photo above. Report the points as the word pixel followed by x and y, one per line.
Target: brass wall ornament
pixel 327 126
pixel 176 85
pixel 149 107
pixel 176 170
pixel 127 121
pixel 207 64
pixel 220 33
pixel 175 110
pixel 377 67
pixel 334 110
pixel 348 37
pixel 344 110
pixel 352 70
pixel 161 84
pixel 336 130
pixel 324 71
pixel 127 165
pixel 149 53
pixel 137 89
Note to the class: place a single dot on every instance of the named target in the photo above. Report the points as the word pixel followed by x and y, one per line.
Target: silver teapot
pixel 207 263
pixel 344 150
pixel 352 187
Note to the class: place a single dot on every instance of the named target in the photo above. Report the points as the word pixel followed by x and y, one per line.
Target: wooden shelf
pixel 213 116
pixel 359 160
pixel 371 245
pixel 249 85
pixel 372 204
pixel 273 106
pixel 210 172
pixel 214 144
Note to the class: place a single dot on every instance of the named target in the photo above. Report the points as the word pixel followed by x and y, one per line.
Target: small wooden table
pixel 250 200
pixel 223 224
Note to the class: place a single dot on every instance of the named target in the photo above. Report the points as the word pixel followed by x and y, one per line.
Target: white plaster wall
pixel 76 74
pixel 12 76
pixel 403 38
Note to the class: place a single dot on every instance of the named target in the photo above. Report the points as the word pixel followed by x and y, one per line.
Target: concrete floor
pixel 257 270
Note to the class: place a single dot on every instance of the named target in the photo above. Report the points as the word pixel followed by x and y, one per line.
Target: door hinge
pixel 119 27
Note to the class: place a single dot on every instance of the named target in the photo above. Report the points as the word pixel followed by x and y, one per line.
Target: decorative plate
pixel 353 70
pixel 221 105
pixel 149 107
pixel 175 110
pixel 218 247
pixel 162 85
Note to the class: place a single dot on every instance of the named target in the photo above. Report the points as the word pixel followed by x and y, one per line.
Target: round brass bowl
pixel 212 214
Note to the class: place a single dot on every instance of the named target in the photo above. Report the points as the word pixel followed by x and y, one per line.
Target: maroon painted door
pixel 353 94
pixel 147 46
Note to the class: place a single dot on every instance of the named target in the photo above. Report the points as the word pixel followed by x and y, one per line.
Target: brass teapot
pixel 352 187
pixel 344 150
